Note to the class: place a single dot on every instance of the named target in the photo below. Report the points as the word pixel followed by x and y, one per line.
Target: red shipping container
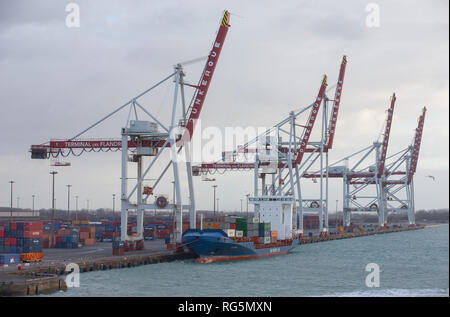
pixel 118 251
pixel 140 245
pixel 32 226
pixel 106 234
pixel 6 242
pixel 2 233
pixel 232 226
pixel 13 225
pixel 12 241
pixel 32 234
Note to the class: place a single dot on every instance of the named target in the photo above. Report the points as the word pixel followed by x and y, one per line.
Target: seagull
pixel 430 176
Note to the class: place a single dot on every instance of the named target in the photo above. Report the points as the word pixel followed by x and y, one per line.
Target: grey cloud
pixel 56 81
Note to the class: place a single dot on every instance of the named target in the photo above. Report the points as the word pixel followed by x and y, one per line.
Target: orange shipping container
pixel 87 241
pixel 31 257
pixel 63 232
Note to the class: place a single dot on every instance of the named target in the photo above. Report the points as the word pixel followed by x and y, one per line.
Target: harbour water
pixel 412 263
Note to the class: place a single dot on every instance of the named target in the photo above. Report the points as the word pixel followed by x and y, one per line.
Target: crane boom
pixel 311 120
pixel 208 72
pixel 387 132
pixel 416 146
pixel 336 103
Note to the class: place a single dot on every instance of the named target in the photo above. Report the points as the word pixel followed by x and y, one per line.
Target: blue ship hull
pixel 214 245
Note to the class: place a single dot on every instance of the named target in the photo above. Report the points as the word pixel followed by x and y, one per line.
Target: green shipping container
pixel 241 226
pixel 264 226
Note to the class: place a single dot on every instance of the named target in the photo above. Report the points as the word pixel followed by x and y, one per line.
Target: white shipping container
pixel 230 233
pixel 266 240
pixel 255 219
pixel 239 233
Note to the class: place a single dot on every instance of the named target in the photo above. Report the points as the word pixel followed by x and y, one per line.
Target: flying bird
pixel 430 176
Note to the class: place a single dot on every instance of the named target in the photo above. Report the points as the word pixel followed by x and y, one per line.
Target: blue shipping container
pixel 9 258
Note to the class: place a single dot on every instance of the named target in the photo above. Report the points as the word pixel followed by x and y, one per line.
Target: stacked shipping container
pixel 21 238
pixel 310 222
pixel 87 235
pixel 241 227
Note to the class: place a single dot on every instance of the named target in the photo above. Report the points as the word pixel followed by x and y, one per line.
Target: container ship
pixel 214 245
pixel 269 232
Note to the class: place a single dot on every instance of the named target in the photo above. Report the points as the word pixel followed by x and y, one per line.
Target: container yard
pixel 294 169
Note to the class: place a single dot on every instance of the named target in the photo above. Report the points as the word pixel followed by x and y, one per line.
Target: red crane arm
pixel 312 118
pixel 207 76
pixel 416 146
pixel 387 131
pixel 336 103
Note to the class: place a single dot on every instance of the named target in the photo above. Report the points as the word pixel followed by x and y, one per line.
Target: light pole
pixel 214 186
pixel 32 204
pixel 68 200
pixel 336 217
pixel 241 205
pixel 173 209
pixel 247 203
pixel 11 182
pixel 114 201
pixel 76 207
pixel 53 194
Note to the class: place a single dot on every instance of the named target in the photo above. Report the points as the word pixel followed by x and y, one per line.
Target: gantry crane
pixel 375 185
pixel 279 152
pixel 148 139
pixel 361 197
pixel 398 191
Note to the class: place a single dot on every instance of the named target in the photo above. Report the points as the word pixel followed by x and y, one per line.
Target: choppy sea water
pixel 412 263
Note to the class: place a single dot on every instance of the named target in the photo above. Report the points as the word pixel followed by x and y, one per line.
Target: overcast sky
pixel 55 81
